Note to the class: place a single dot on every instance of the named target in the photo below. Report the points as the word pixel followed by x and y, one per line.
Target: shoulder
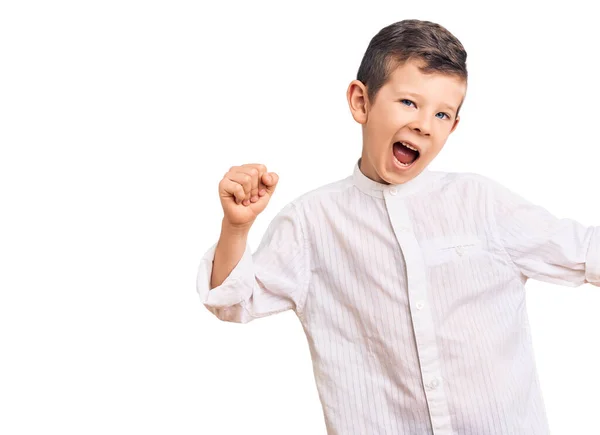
pixel 463 177
pixel 321 193
pixel 466 181
pixel 304 205
pixel 480 189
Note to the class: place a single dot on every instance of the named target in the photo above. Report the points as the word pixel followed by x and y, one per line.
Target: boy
pixel 409 283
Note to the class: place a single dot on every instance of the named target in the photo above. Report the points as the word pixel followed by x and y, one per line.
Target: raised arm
pixel 237 285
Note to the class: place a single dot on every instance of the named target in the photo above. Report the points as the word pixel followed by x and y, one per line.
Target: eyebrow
pixel 412 94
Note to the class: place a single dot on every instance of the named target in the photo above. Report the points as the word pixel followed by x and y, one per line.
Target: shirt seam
pixel 496 232
pixel 306 269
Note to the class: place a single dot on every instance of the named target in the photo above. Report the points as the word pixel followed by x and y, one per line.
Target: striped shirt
pixel 412 299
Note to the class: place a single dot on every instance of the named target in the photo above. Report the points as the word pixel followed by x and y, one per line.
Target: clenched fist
pixel 245 191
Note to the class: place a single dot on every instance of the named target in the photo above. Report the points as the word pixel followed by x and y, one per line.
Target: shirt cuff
pixel 237 287
pixel 592 263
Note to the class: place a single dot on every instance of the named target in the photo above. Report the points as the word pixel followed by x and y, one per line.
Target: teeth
pixel 408 146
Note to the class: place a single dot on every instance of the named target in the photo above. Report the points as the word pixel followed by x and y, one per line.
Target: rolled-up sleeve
pixel 543 247
pixel 271 280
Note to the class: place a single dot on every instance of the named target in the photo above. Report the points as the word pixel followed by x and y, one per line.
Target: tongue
pixel 403 154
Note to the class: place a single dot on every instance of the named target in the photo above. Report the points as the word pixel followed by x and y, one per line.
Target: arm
pixel 542 246
pixel 228 253
pixel 272 280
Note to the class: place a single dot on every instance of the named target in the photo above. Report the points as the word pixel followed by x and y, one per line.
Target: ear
pixel 358 101
pixel 455 124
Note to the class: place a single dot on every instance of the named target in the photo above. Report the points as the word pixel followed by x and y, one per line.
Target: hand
pixel 245 191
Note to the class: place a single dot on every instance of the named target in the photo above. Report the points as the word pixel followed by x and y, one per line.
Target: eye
pixel 409 102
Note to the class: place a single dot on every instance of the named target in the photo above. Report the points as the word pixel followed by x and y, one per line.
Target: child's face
pixel 410 106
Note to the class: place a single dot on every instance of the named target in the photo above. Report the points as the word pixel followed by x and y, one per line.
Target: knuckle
pixel 254 172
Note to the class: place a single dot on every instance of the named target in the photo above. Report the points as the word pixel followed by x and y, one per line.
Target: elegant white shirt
pixel 412 298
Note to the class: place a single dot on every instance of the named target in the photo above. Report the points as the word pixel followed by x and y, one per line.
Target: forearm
pixel 229 251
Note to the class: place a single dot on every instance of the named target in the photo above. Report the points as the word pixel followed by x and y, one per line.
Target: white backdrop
pixel 119 118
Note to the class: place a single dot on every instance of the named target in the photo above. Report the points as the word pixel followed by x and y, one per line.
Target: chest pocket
pixel 451 249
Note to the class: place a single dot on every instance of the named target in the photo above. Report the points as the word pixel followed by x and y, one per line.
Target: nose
pixel 421 124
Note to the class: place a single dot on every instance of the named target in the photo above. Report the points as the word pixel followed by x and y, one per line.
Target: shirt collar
pixel 378 190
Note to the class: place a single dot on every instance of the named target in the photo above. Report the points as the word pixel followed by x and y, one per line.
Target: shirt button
pixel 393 191
pixel 460 250
pixel 420 305
pixel 434 383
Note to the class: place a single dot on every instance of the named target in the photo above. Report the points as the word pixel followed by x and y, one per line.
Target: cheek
pixel 378 130
pixel 386 117
pixel 436 147
pixel 392 120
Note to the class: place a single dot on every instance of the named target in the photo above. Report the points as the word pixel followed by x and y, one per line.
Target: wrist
pixel 238 231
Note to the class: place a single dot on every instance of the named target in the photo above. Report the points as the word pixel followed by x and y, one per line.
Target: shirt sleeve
pixel 542 246
pixel 271 280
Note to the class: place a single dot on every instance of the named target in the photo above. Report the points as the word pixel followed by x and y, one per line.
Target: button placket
pixel 422 321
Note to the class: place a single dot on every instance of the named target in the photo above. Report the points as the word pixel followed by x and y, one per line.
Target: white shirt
pixel 412 298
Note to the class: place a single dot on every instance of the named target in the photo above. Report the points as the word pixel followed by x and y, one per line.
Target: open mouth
pixel 405 154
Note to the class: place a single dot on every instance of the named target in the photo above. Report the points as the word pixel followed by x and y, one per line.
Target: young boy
pixel 409 283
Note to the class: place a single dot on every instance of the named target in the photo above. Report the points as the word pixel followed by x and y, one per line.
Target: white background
pixel 118 120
